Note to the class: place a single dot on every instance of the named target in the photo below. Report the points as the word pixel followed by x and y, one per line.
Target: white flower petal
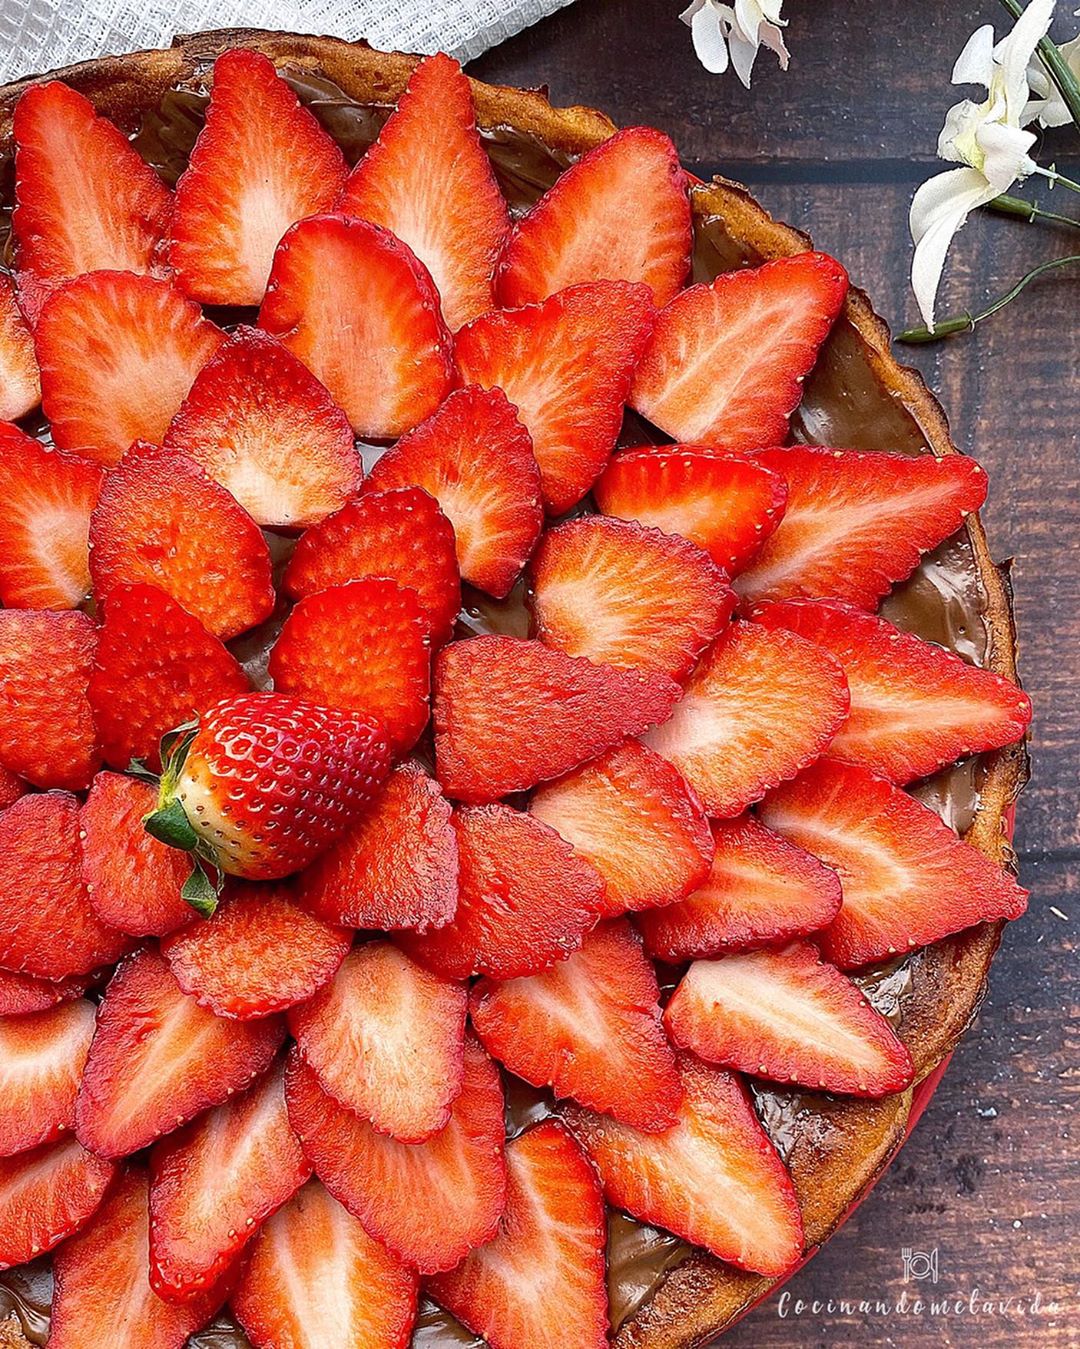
pixel 975 64
pixel 1015 50
pixel 1005 154
pixel 958 134
pixel 939 208
pixel 773 38
pixel 743 55
pixel 709 42
pixel 691 9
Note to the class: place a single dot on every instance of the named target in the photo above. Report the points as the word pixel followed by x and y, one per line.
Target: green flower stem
pixel 965 323
pixel 1029 210
pixel 1056 67
pixel 1052 176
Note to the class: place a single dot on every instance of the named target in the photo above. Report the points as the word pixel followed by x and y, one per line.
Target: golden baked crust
pixel 833 1163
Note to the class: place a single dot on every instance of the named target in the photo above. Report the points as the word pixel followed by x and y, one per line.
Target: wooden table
pixel 837 146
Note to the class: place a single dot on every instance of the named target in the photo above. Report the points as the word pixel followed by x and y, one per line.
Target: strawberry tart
pixel 507 719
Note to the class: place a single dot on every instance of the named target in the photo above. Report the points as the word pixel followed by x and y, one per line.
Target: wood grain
pixel 837 146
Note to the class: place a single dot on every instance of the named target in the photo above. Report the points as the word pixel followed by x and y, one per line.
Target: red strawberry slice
pixel 45 1195
pixel 727 360
pixel 620 213
pixel 315 1277
pixel 541 1281
pixel 22 994
pixel 399 1191
pixel 714 1179
pixel 41 1061
pixel 566 365
pixel 402 535
pixel 46 728
pixel 156 667
pixel 524 899
pixel 635 819
pixel 11 788
pixel 213 1184
pixel 858 521
pixel 158 1059
pixel 914 706
pixel 52 932
pixel 386 1039
pixel 373 333
pixel 261 163
pixel 725 503
pixel 103 1293
pixel 761 890
pixel 20 384
pixel 44 549
pixel 627 596
pixel 85 200
pixel 260 423
pixel 161 521
pixel 118 354
pixel 510 713
pixel 364 646
pixel 907 879
pixel 428 180
pixel 759 707
pixel 397 867
pixel 588 1028
pixel 476 460
pixel 132 881
pixel 258 954
pixel 786 1016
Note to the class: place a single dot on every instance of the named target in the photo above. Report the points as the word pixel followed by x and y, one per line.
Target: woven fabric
pixel 40 35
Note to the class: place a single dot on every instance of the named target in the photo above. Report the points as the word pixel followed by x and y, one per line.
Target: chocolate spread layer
pixel 844 405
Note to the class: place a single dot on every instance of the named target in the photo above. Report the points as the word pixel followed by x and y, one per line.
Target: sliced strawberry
pixel 44 549
pixel 46 728
pixel 725 503
pixel 401 534
pixel 160 520
pixel 118 354
pixel 103 1293
pixel 727 360
pixel 397 867
pixel 258 954
pixel 22 994
pixel 524 899
pixel 213 1184
pixel 759 707
pixel 262 162
pixel 399 1191
pixel 907 879
pixel 155 668
pixel 566 365
pixel 386 1039
pixel 714 1179
pixel 41 1061
pixel 589 1028
pixel 364 646
pixel 20 384
pixel 50 931
pixel 315 1277
pixel 45 1195
pixel 363 315
pixel 627 596
pixel 635 819
pixel 476 460
pixel 761 890
pixel 132 881
pixel 510 713
pixel 428 180
pixel 260 423
pixel 786 1016
pixel 542 1281
pixel 158 1059
pixel 11 788
pixel 858 521
pixel 85 200
pixel 914 706
pixel 620 213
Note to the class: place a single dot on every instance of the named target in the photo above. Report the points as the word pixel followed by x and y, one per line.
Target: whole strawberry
pixel 262 785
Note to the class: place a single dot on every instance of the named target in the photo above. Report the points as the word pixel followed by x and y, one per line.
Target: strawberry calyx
pixel 170 825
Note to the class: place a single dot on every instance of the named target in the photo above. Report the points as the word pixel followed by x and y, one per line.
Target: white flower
pixel 989 139
pixel 1047 105
pixel 737 31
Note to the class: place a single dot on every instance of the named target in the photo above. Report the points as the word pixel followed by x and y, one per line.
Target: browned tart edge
pixel 833 1166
